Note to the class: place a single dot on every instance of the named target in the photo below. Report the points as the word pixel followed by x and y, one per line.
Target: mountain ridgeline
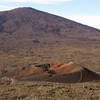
pixel 26 27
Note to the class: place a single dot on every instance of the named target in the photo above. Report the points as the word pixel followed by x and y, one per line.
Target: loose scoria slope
pixel 56 72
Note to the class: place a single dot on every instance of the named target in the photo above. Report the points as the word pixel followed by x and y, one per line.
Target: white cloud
pixel 4 7
pixel 39 1
pixel 91 20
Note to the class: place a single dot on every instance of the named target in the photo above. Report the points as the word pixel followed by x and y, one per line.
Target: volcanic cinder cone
pixel 56 72
pixel 72 72
pixel 27 27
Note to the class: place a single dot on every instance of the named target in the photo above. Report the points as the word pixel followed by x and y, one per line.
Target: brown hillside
pixel 56 72
pixel 27 27
pixel 66 68
pixel 30 36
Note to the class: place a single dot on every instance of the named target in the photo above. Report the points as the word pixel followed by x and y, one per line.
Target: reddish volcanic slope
pixel 66 68
pixel 56 72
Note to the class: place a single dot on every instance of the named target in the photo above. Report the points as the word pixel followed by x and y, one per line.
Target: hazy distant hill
pixel 25 27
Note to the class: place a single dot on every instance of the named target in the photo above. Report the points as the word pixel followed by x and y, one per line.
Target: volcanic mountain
pixel 25 27
pixel 55 72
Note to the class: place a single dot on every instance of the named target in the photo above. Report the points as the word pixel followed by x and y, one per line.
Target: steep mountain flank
pixel 25 27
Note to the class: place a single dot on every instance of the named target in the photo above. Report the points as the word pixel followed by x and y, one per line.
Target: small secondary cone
pixel 56 72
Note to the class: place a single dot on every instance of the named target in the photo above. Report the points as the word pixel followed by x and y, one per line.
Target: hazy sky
pixel 83 11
